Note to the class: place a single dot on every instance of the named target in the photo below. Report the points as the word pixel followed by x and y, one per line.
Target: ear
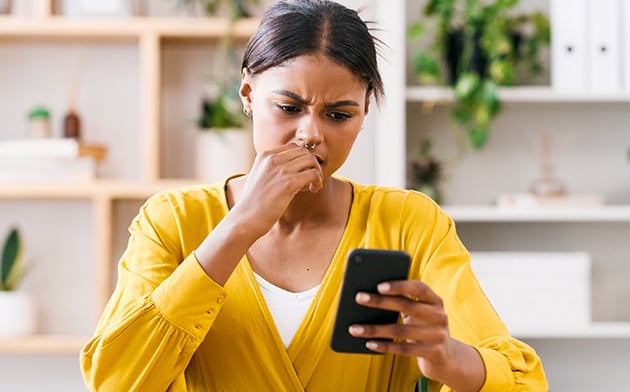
pixel 246 89
pixel 367 104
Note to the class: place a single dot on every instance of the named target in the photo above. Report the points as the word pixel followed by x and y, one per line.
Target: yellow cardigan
pixel 168 326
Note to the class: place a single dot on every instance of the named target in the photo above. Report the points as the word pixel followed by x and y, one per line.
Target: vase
pixel 222 153
pixel 17 314
pixel 5 6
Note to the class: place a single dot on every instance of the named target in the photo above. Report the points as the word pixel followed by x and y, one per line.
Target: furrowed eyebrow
pixel 303 101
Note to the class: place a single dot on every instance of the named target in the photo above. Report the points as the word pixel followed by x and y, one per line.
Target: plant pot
pixel 223 153
pixel 456 40
pixel 478 62
pixel 17 314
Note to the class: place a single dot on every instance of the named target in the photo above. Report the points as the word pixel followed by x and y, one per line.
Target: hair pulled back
pixel 291 28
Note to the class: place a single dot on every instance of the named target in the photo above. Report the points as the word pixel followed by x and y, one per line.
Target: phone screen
pixel 365 269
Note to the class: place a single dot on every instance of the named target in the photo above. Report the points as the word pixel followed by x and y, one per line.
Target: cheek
pixel 269 132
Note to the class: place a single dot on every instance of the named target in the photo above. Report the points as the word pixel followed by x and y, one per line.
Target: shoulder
pixel 188 199
pixel 393 197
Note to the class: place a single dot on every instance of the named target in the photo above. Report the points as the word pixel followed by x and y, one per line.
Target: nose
pixel 309 132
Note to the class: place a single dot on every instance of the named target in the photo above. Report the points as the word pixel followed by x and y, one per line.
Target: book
pixel 47 169
pixel 58 148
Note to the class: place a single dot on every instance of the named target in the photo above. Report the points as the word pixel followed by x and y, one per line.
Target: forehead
pixel 314 73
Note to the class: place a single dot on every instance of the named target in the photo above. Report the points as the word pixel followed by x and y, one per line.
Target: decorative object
pixel 548 185
pixel 17 309
pixel 5 7
pixel 224 139
pixel 480 45
pixel 224 153
pixel 426 173
pixel 109 8
pixel 39 123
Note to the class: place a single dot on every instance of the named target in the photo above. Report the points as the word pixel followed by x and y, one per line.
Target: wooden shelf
pixel 135 27
pixel 609 213
pixel 529 94
pixel 108 189
pixel 43 344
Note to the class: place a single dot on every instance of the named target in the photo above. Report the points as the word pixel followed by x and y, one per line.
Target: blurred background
pixel 513 115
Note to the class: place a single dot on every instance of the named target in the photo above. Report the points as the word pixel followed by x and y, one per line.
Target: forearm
pixel 464 371
pixel 224 247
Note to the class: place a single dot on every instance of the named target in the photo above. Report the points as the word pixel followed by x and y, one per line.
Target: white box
pixel 568 45
pixel 537 292
pixel 109 8
pixel 625 43
pixel 47 169
pixel 604 51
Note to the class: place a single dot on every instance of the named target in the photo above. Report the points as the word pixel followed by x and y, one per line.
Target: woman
pixel 233 286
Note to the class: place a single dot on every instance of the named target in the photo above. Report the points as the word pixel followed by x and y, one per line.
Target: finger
pixel 401 339
pixel 413 289
pixel 396 303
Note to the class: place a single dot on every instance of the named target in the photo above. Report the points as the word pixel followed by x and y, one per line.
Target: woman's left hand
pixel 423 333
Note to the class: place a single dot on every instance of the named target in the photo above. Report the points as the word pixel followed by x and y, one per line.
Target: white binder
pixel 568 45
pixel 625 43
pixel 604 45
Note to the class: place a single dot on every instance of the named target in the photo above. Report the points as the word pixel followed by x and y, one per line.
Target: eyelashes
pixel 293 110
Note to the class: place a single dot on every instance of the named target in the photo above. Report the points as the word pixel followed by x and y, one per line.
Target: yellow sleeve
pixel 511 365
pixel 160 311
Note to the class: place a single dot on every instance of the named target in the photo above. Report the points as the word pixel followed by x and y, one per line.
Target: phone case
pixel 365 269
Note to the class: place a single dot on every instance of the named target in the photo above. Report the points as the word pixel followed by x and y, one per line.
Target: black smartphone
pixel 365 269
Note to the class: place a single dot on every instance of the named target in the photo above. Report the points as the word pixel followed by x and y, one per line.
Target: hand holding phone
pixel 365 269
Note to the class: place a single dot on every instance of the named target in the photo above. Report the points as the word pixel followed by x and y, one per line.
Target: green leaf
pixel 478 137
pixel 10 256
pixel 426 68
pixel 415 30
pixel 466 85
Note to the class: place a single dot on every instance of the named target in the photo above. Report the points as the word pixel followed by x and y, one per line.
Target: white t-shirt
pixel 287 308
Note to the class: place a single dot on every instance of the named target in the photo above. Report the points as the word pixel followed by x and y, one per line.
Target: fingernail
pixel 356 329
pixel 363 297
pixel 371 345
pixel 385 286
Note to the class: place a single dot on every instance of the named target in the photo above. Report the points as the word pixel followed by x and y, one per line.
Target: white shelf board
pixel 525 94
pixel 607 213
pixel 597 330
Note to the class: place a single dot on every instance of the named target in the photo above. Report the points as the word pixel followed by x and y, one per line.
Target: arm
pixel 448 323
pixel 161 309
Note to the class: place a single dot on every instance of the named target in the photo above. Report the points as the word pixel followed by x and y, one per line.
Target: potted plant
pixel 224 139
pixel 480 45
pixel 426 172
pixel 17 309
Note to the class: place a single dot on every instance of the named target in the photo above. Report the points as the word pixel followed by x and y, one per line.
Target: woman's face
pixel 309 99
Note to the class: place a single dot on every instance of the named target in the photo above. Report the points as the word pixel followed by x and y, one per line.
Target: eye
pixel 289 108
pixel 338 116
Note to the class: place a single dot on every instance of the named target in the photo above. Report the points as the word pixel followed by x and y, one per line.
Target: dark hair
pixel 292 28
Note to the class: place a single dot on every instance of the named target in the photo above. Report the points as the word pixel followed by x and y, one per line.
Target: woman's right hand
pixel 276 176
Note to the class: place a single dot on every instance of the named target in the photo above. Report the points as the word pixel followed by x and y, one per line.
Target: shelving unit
pixel 397 124
pixel 148 36
pixel 591 151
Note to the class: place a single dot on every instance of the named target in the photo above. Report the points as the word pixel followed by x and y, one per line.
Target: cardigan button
pixel 220 299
